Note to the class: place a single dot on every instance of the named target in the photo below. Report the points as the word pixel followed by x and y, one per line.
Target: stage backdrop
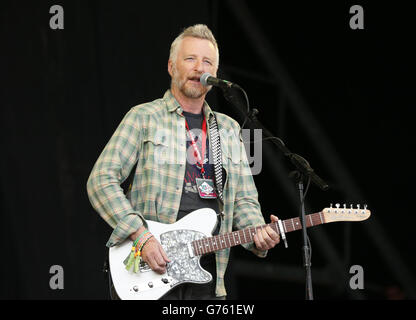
pixel 64 91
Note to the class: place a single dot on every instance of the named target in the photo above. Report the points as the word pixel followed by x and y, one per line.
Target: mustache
pixel 195 76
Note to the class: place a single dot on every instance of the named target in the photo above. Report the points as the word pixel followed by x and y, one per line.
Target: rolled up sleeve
pixel 247 210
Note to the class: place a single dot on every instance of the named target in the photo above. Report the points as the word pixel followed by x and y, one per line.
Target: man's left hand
pixel 267 238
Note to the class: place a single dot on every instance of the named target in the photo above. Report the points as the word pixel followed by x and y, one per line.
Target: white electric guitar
pixel 186 240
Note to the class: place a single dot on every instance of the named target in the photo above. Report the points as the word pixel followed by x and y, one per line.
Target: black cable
pixel 307 237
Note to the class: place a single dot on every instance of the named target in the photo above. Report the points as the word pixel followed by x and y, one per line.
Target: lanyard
pixel 199 157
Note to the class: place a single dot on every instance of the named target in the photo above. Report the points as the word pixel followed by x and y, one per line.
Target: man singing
pixel 168 140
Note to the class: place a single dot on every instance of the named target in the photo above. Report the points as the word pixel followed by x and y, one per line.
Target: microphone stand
pixel 303 170
pixel 306 247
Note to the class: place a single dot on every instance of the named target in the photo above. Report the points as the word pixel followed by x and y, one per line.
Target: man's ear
pixel 170 67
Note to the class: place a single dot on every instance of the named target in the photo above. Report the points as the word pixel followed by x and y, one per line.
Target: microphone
pixel 208 80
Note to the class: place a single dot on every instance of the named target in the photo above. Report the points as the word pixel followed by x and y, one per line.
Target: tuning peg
pixel 330 206
pixel 345 206
pixel 351 206
pixel 337 205
pixel 365 207
pixel 358 206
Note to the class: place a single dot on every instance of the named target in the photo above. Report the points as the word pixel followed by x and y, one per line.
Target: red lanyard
pixel 199 157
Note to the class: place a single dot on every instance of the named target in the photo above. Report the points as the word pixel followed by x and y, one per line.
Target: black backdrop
pixel 63 92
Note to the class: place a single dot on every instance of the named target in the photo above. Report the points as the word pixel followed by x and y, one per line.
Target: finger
pixel 158 268
pixel 257 242
pixel 260 244
pixel 164 255
pixel 270 237
pixel 152 256
pixel 273 235
pixel 152 263
pixel 273 218
pixel 156 262
pixel 269 242
pixel 158 257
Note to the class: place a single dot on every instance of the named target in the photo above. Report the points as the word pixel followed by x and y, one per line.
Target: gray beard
pixel 193 93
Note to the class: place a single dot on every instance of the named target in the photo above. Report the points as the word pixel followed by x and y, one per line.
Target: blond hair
pixel 200 31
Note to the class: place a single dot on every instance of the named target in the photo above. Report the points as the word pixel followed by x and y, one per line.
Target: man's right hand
pixel 152 253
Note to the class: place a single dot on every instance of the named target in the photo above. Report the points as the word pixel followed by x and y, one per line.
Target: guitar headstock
pixel 346 214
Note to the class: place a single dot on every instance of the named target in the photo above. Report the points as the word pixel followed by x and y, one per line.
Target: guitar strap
pixel 216 155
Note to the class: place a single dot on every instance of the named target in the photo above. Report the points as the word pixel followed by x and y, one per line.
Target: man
pixel 168 139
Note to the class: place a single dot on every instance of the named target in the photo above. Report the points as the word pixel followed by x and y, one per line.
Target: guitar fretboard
pixel 223 241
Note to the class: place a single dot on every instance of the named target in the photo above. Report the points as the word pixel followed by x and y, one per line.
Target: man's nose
pixel 198 66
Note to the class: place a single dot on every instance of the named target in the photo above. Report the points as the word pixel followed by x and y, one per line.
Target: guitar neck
pixel 223 241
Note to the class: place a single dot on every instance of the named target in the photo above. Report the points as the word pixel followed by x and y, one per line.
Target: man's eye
pixel 208 62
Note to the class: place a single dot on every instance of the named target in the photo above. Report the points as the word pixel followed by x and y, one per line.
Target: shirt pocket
pixel 231 155
pixel 156 150
pixel 231 161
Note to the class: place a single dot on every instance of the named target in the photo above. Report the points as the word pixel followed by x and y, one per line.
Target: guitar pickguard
pixel 175 239
pixel 182 267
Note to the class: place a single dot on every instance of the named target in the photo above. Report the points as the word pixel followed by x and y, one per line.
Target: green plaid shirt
pixel 154 135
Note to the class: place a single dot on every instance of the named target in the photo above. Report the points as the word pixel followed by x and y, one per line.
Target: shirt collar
pixel 173 105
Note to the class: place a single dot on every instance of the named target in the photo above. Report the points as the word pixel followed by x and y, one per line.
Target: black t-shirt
pixel 190 199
